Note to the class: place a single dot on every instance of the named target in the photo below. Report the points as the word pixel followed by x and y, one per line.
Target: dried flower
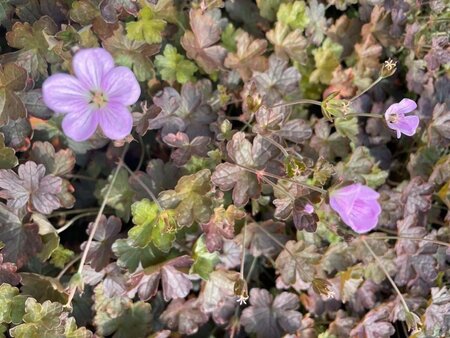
pixel 357 205
pixel 389 67
pixel 241 291
pixel 98 94
pixel 396 119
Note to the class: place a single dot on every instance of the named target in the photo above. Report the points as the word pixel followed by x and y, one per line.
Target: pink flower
pixel 396 119
pixel 98 94
pixel 357 205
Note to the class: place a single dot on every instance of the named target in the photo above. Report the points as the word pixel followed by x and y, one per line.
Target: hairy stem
pixel 412 239
pixel 293 103
pixel 381 266
pixel 67 267
pixel 142 184
pixel 367 89
pixel 96 223
pixel 73 220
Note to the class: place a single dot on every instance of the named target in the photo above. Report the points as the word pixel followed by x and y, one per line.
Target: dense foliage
pixel 224 168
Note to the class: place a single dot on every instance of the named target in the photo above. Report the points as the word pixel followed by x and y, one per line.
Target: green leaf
pixel 327 59
pixel 132 54
pixel 347 128
pixel 119 317
pixel 204 261
pixel 189 199
pixel 293 14
pixel 174 67
pixel 84 12
pixel 12 79
pixel 152 225
pixel 61 256
pixel 148 28
pixel 43 288
pixel 130 256
pixel 121 195
pixel 12 305
pixel 268 8
pixel 8 159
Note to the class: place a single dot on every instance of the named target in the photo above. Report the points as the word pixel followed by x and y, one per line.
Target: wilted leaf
pixel 12 79
pixel 31 188
pixel 189 198
pixel 220 226
pixel 184 316
pixel 42 288
pixel 268 317
pixel 200 43
pixel 248 57
pixel 100 251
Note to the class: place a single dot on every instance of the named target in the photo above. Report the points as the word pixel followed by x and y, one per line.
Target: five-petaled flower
pixel 357 205
pixel 396 119
pixel 98 94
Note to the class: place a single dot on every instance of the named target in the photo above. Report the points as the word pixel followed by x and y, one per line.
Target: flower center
pixel 393 118
pixel 98 99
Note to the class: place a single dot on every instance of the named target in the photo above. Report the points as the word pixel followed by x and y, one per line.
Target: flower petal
pixel 407 125
pixel 91 65
pixel 406 106
pixel 64 93
pixel 80 126
pixel 364 215
pixel 121 86
pixel 116 121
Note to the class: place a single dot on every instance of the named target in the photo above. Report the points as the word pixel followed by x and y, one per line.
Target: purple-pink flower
pixel 357 205
pixel 398 121
pixel 98 94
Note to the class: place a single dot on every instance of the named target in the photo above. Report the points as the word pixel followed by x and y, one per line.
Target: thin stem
pixel 367 89
pixel 67 267
pixel 142 157
pixel 381 266
pixel 276 144
pixel 73 220
pixel 412 239
pixel 252 267
pixel 293 103
pixel 273 185
pixel 364 115
pixel 241 271
pixel 80 177
pixel 264 173
pixel 142 184
pixel 71 212
pixel 96 223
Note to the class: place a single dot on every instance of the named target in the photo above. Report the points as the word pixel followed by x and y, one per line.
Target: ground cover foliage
pixel 268 168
